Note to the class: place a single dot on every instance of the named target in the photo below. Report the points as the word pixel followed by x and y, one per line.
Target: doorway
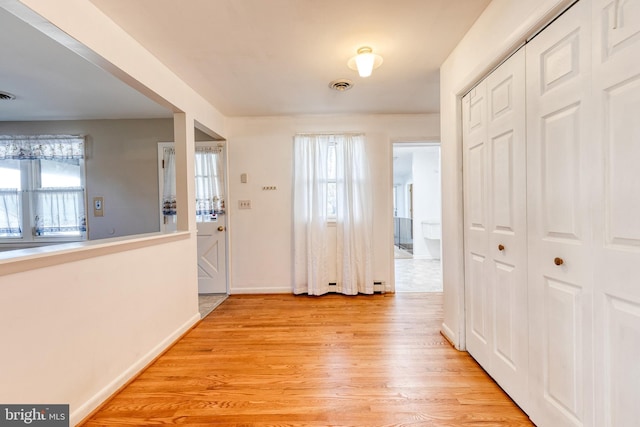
pixel 417 221
pixel 210 176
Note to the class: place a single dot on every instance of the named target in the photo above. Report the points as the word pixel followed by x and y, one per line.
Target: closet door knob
pixel 501 248
pixel 558 261
pixel 221 228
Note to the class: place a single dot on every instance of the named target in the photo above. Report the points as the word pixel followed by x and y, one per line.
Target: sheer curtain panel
pixel 352 252
pixel 169 182
pixel 59 211
pixel 310 214
pixel 353 217
pixel 10 213
pixel 209 182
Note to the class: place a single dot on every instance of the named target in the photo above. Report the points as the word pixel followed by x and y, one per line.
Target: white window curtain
pixel 59 211
pixel 26 147
pixel 209 181
pixel 209 185
pixel 169 182
pixel 10 212
pixel 353 252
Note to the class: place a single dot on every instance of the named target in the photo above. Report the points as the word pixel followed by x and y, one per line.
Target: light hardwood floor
pixel 282 360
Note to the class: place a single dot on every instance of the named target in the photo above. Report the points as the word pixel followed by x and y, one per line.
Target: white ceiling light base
pixel 365 61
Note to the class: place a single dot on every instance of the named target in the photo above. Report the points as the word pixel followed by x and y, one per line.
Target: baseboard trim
pixel 448 334
pixel 257 291
pixel 84 411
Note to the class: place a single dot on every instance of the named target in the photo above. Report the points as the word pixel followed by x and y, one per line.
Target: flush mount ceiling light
pixel 365 61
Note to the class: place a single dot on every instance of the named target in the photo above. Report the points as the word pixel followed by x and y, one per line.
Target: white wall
pixel 261 238
pixel 78 325
pixel 502 27
pixel 426 199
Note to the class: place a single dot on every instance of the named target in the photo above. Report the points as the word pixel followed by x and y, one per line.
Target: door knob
pixel 221 228
pixel 558 261
pixel 501 248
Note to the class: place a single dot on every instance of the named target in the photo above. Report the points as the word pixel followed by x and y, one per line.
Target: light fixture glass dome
pixel 365 61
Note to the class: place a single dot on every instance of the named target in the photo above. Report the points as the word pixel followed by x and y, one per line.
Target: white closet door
pixel 560 180
pixel 507 252
pixel 616 71
pixel 476 225
pixel 495 226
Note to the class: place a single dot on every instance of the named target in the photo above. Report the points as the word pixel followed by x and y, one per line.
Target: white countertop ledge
pixel 45 256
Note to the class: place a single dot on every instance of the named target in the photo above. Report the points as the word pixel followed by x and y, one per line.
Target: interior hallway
pixel 315 361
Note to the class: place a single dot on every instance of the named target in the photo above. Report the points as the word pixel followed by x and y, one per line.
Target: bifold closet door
pixel 616 76
pixel 561 159
pixel 495 226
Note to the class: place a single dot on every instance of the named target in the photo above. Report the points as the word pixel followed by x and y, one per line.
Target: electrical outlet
pixel 244 204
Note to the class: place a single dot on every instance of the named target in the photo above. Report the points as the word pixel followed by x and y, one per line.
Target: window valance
pixel 41 147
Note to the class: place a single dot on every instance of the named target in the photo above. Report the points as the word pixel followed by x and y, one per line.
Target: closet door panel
pixel 476 224
pixel 560 167
pixel 494 152
pixel 508 232
pixel 502 186
pixel 479 299
pixel 616 227
pixel 622 154
pixel 476 169
pixel 563 332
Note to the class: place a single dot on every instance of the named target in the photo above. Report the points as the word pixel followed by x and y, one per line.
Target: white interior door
pixel 616 72
pixel 212 227
pixel 495 226
pixel 212 271
pixel 507 181
pixel 476 225
pixel 560 183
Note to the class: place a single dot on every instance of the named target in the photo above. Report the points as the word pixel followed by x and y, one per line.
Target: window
pixel 209 177
pixel 209 183
pixel 42 195
pixel 331 185
pixel 330 165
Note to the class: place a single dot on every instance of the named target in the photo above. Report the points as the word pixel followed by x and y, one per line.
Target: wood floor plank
pixel 284 360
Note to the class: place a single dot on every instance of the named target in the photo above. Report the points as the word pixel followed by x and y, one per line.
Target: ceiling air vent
pixel 341 85
pixel 6 96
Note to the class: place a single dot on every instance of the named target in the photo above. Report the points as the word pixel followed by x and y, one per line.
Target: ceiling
pixel 246 57
pixel 51 82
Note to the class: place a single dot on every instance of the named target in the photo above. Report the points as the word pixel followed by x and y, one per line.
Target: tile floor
pixel 417 275
pixel 208 302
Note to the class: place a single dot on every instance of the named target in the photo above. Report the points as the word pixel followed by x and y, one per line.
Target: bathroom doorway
pixel 417 216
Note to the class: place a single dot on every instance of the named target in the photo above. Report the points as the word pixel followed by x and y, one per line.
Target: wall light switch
pixel 244 178
pixel 98 206
pixel 244 204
